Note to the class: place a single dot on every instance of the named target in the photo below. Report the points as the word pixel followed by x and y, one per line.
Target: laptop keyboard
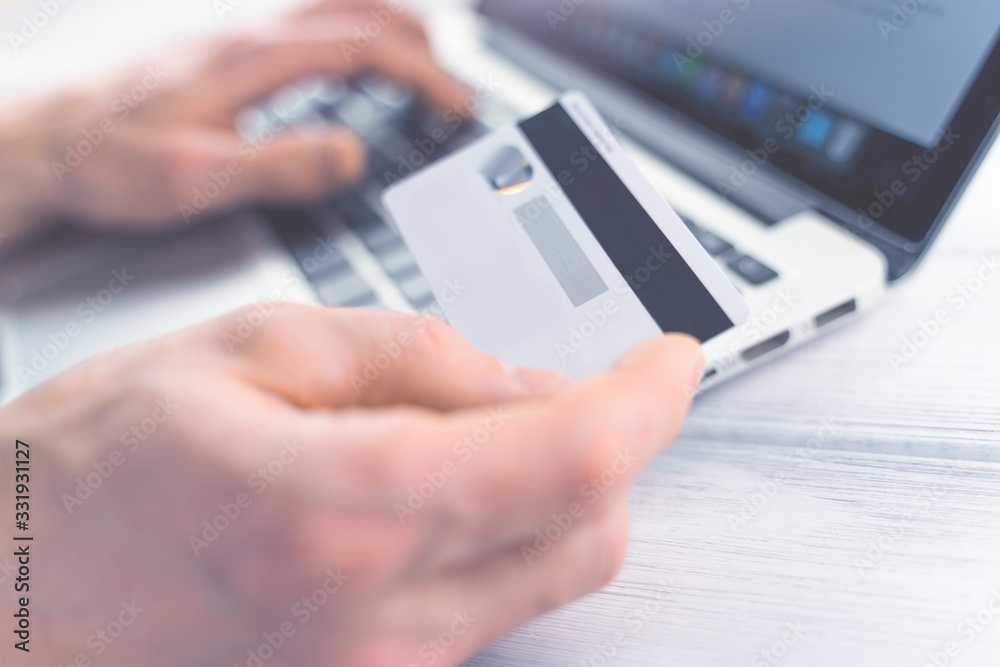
pixel 345 246
pixel 745 267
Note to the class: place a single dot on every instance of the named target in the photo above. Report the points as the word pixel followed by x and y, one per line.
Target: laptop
pixel 815 149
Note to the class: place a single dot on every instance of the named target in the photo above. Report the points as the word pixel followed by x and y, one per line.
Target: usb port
pixel 768 346
pixel 835 314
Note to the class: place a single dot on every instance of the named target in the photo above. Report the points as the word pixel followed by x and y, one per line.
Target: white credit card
pixel 548 248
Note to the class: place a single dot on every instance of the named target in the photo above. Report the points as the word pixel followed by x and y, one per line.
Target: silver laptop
pixel 815 148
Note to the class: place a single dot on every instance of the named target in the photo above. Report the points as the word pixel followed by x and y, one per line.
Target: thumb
pixel 666 361
pixel 306 163
pixel 645 399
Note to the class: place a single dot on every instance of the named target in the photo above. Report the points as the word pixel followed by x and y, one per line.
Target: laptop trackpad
pixel 160 286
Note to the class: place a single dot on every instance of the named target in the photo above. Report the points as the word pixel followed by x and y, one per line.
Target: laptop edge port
pixel 835 314
pixel 768 346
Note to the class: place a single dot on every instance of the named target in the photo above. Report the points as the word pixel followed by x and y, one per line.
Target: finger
pixel 470 483
pixel 524 467
pixel 457 613
pixel 307 163
pixel 251 68
pixel 384 14
pixel 316 357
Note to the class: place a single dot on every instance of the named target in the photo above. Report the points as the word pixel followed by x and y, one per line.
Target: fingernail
pixel 536 381
pixel 697 372
pixel 688 366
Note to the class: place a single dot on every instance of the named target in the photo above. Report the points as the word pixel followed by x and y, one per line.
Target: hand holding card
pixel 565 254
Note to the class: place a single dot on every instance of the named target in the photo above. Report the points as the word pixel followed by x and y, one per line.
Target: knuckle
pixel 435 337
pixel 597 445
pixel 234 50
pixel 612 538
pixel 262 325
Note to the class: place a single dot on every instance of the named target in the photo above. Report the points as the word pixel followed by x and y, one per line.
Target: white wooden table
pixel 826 509
pixel 827 492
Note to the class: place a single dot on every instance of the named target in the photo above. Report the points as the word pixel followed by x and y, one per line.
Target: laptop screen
pixel 872 102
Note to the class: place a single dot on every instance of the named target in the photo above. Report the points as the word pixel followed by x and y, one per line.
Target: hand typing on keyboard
pixel 344 487
pixel 159 145
pixel 292 485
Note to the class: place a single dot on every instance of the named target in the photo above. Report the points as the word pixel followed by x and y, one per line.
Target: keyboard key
pixel 715 245
pixel 252 122
pixel 416 289
pixel 399 263
pixel 290 221
pixel 347 290
pixel 358 214
pixel 325 90
pixel 316 252
pixel 373 304
pixel 391 96
pixel 752 271
pixel 392 144
pixel 428 305
pixel 362 114
pixel 381 240
pixel 379 165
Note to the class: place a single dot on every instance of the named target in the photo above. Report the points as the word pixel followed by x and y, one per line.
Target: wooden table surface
pixel 835 507
pixel 827 509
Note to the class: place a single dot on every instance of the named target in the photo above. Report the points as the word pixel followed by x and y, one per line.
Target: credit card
pixel 547 247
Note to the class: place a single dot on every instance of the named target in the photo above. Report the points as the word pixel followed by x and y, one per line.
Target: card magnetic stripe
pixel 669 290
